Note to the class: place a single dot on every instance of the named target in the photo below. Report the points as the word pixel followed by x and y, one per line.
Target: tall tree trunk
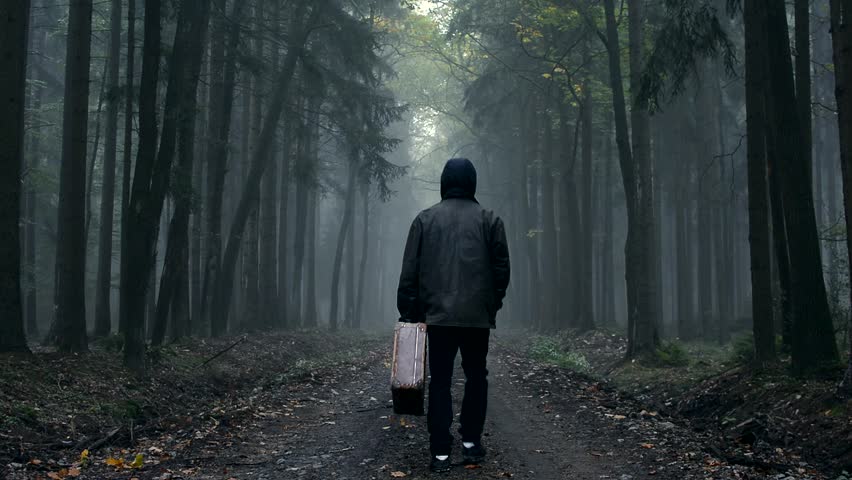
pixel 814 345
pixel 135 275
pixel 302 177
pixel 252 312
pixel 586 320
pixel 569 223
pixel 284 287
pixel 311 260
pixel 349 309
pixel 841 28
pixel 128 144
pixel 643 337
pixel 608 314
pixel 549 235
pixel 634 248
pixel 758 207
pixel 530 202
pixel 31 200
pixel 268 231
pixel 14 26
pixel 346 221
pixel 174 280
pixel 223 70
pixel 365 250
pixel 802 35
pixel 686 327
pixel 196 255
pixel 70 308
pixel 103 318
pixel 261 158
pixel 154 168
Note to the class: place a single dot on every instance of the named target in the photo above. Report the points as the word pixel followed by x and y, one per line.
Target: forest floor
pixel 310 405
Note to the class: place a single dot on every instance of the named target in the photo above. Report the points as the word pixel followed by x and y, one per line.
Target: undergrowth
pixel 550 350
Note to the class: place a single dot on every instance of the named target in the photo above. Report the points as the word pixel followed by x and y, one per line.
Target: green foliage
pixel 742 349
pixel 668 354
pixel 549 350
pixel 690 34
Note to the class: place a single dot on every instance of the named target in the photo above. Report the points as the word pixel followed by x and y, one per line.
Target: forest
pixel 204 205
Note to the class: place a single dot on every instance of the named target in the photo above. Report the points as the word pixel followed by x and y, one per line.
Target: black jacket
pixel 455 269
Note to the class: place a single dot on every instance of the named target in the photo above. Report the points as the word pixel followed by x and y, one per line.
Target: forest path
pixel 543 422
pixel 346 429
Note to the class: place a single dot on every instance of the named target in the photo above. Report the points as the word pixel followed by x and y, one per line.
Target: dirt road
pixel 337 423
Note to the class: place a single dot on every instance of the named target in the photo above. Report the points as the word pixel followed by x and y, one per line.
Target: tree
pixel 223 74
pixel 69 327
pixel 642 333
pixel 758 207
pixel 14 22
pixel 841 33
pixel 103 319
pixel 174 280
pixel 260 159
pixel 154 163
pixel 127 156
pixel 813 340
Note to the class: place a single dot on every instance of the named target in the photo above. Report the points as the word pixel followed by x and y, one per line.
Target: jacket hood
pixel 458 179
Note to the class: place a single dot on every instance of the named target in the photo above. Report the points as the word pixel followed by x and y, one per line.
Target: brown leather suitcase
pixel 408 370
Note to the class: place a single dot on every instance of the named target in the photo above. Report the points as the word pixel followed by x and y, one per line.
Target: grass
pixel 550 350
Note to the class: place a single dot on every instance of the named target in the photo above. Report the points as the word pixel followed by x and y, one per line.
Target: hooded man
pixel 455 271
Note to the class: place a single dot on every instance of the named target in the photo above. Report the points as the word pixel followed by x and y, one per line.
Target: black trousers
pixel 444 342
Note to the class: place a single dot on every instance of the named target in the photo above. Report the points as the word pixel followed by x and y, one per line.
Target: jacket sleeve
pixel 407 295
pixel 499 260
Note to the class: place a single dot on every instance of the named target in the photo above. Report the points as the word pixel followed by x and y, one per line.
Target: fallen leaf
pixel 114 462
pixel 646 445
pixel 138 461
pixel 35 461
pixel 84 457
pixel 398 474
pixel 472 467
pixel 73 472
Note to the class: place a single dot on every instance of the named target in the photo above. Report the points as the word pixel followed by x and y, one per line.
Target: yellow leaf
pixel 138 461
pixel 398 474
pixel 546 75
pixel 114 462
pixel 84 457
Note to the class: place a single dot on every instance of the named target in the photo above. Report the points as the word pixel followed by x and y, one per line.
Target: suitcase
pixel 408 370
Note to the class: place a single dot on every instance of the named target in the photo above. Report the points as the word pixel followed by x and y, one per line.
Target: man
pixel 455 271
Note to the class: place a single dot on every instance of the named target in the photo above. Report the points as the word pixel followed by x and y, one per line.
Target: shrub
pixel 669 354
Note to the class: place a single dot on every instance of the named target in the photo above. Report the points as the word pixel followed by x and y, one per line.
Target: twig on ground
pixel 99 443
pixel 214 357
